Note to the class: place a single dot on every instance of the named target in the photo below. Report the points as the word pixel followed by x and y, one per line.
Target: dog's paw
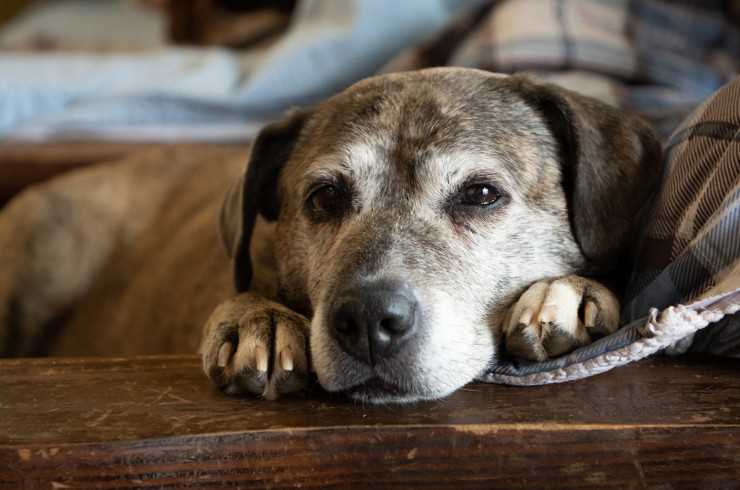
pixel 254 346
pixel 552 318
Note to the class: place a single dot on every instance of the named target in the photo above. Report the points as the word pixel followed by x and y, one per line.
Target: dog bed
pixel 684 292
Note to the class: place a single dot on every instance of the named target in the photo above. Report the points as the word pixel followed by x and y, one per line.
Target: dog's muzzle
pixel 374 321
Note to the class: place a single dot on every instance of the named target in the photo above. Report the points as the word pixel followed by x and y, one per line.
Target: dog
pixel 395 239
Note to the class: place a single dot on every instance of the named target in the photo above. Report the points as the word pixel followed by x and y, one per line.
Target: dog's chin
pixel 392 382
pixel 379 386
pixel 377 391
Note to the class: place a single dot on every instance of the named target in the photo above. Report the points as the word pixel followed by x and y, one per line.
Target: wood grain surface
pixel 156 422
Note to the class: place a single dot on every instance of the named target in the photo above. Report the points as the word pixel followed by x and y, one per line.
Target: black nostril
pixel 389 325
pixel 394 325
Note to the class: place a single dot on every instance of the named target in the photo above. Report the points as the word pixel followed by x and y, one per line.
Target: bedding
pixel 208 94
pixel 660 59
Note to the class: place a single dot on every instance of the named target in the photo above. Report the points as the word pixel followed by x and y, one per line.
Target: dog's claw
pixel 526 316
pixel 590 311
pixel 548 313
pixel 260 357
pixel 224 354
pixel 286 360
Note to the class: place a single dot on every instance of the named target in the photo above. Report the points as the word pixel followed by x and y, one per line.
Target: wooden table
pixel 157 422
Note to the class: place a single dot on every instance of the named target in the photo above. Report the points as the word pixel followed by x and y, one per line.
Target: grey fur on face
pixel 370 188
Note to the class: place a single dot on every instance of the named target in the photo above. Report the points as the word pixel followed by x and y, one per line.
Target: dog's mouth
pixel 377 390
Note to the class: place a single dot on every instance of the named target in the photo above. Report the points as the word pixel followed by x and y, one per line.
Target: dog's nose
pixel 372 322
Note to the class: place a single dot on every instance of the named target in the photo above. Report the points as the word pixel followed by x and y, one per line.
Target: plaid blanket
pixel 691 243
pixel 658 58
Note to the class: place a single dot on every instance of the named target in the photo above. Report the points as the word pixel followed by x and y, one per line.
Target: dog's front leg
pixel 252 345
pixel 555 317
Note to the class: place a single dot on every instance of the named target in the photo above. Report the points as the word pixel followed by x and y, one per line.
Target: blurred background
pixel 83 81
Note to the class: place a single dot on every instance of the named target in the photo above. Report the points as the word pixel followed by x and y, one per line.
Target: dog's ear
pixel 256 192
pixel 610 166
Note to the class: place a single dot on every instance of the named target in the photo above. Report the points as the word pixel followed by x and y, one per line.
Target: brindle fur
pixel 573 175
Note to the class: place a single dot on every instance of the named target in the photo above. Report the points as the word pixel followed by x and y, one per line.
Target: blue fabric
pixel 210 93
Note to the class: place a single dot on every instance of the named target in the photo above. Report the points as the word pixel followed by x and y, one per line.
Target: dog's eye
pixel 479 195
pixel 324 199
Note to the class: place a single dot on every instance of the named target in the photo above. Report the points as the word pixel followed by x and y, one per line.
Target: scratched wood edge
pixel 696 454
pixel 155 359
pixel 433 456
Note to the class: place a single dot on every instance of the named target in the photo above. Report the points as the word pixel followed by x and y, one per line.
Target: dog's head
pixel 412 208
